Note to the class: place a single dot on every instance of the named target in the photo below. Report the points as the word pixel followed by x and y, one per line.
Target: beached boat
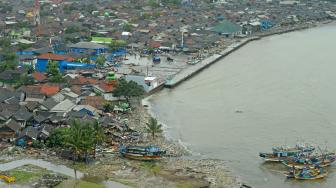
pixel 301 161
pixel 146 153
pixel 307 173
pixel 283 153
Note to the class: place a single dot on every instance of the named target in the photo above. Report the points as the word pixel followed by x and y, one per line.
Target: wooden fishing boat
pixel 308 173
pixel 302 161
pixel 284 153
pixel 146 153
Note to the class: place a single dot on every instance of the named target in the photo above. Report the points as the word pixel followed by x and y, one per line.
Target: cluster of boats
pixel 303 162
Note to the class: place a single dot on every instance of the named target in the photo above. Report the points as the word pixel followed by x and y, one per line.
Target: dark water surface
pixel 276 91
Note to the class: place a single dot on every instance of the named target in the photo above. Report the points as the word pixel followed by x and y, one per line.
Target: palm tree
pixel 99 136
pixel 73 139
pixel 153 127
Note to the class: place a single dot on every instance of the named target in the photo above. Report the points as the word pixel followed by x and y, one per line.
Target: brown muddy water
pixel 277 91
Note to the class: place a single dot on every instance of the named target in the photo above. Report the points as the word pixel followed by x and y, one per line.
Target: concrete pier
pixel 194 69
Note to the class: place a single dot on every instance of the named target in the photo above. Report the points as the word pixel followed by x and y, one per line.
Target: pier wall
pixel 195 69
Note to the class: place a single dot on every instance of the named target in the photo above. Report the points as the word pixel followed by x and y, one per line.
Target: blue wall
pixel 41 65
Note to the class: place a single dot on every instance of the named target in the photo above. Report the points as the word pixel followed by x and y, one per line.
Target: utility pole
pixel 37 19
pixel 182 42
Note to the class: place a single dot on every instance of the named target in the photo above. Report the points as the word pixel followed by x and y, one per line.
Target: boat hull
pixel 301 166
pixel 141 157
pixel 320 176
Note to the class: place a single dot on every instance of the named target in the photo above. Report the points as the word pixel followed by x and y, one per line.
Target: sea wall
pixel 195 69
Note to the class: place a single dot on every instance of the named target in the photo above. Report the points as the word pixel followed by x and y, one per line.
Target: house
pixel 45 131
pixel 5 115
pixel 10 130
pixel 48 104
pixel 23 116
pixel 7 96
pixel 148 83
pixel 88 48
pixel 39 77
pixel 87 109
pixel 27 136
pixel 11 76
pixel 63 107
pixel 49 90
pixel 228 29
pixel 32 106
pixel 94 101
pixel 81 80
pixel 66 93
pixel 33 93
pixel 105 89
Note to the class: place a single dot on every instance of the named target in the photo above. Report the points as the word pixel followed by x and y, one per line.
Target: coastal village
pixel 80 69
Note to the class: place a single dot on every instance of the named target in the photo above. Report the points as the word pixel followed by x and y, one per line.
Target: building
pixel 228 29
pixel 88 48
pixel 43 59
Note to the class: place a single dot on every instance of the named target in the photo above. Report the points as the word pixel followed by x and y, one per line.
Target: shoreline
pixel 205 63
pixel 223 54
pixel 176 170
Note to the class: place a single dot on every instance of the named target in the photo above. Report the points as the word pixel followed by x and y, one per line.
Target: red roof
pixel 39 76
pixel 55 57
pixel 81 80
pixel 49 89
pixel 107 87
pixel 95 101
pixel 154 44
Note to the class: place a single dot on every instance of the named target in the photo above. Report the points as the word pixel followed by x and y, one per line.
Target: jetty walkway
pixel 194 69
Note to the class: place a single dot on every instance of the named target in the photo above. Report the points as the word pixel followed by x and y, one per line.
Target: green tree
pixel 5 43
pixel 53 71
pixel 99 136
pixel 117 44
pixel 75 139
pixel 108 107
pixel 52 68
pixel 128 89
pixel 22 46
pixel 127 27
pixel 100 61
pixel 8 60
pixel 57 138
pixel 153 3
pixel 24 79
pixel 153 127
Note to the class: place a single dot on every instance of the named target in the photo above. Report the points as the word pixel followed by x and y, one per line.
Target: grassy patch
pixel 152 167
pixel 22 176
pixel 80 184
pixel 124 181
pixel 185 185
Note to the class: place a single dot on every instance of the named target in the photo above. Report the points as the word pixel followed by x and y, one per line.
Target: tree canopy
pixel 128 89
pixel 117 44
pixel 82 138
pixel 53 72
pixel 100 61
pixel 153 127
